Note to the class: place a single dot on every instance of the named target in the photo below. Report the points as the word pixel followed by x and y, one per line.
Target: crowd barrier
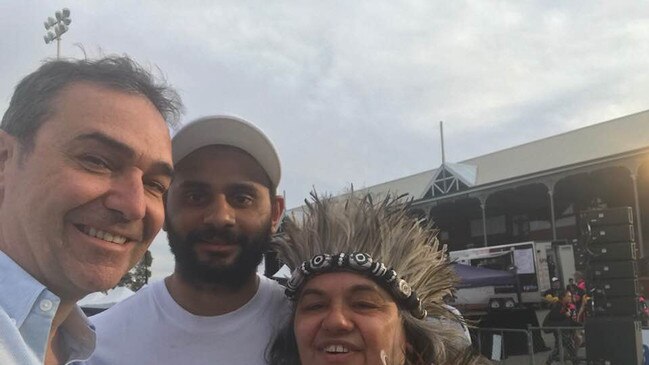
pixel 496 343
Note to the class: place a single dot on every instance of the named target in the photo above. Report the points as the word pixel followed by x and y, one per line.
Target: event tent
pixel 473 277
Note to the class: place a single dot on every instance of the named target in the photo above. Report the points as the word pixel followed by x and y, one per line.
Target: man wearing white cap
pixel 221 210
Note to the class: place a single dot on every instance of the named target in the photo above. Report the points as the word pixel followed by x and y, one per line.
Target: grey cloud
pixel 352 92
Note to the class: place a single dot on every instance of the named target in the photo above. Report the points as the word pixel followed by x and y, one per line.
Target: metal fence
pixel 496 344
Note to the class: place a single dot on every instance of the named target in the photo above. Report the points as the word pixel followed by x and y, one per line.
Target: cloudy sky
pixel 353 91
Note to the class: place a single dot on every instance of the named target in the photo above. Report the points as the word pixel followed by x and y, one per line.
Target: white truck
pixel 534 262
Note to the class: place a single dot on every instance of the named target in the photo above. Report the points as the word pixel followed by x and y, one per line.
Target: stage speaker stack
pixel 613 331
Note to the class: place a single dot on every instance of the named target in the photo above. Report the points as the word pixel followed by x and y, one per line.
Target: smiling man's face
pixel 220 215
pixel 80 207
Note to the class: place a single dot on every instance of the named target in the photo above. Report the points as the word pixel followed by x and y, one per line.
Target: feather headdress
pixel 347 232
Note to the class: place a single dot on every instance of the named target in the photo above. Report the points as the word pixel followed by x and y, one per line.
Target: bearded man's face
pixel 219 215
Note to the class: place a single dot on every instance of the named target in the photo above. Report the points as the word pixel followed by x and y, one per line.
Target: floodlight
pixel 60 29
pixel 56 27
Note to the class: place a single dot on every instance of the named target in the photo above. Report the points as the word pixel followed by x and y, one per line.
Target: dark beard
pixel 232 276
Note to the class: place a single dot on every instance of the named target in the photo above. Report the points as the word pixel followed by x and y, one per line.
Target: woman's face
pixel 346 318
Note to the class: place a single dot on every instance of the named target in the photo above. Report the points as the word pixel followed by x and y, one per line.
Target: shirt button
pixel 45 305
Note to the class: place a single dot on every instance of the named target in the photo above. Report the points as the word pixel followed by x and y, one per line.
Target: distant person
pixel 552 295
pixel 581 281
pixel 564 314
pixel 643 309
pixel 552 267
pixel 458 321
pixel 581 288
pixel 221 210
pixel 571 285
pixel 85 159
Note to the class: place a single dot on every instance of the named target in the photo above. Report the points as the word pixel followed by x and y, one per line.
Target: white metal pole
pixel 441 133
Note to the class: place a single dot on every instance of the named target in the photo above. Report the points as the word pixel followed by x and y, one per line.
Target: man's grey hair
pixel 31 103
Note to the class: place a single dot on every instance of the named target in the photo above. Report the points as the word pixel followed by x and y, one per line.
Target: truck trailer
pixel 533 263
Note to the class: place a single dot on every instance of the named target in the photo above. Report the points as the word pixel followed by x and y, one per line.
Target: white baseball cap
pixel 229 131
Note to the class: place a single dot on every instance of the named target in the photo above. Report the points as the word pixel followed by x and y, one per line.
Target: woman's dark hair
pixel 283 349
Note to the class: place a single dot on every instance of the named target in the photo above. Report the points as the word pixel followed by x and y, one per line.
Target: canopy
pixel 473 277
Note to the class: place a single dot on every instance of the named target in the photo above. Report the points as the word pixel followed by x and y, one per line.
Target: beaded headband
pixel 361 263
pixel 375 238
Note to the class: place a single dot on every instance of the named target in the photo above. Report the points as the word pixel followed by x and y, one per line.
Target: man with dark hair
pixel 221 210
pixel 85 159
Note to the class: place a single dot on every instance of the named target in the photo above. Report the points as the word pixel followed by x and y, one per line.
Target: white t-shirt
pixel 151 328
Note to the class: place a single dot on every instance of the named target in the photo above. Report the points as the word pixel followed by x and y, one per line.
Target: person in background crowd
pixel 460 324
pixel 644 310
pixel 551 295
pixel 572 287
pixel 366 276
pixel 552 267
pixel 581 289
pixel 563 314
pixel 85 159
pixel 221 210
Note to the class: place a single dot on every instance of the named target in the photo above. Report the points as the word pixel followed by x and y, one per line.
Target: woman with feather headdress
pixel 365 277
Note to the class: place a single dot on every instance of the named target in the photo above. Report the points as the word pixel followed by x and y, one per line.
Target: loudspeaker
pixel 615 306
pixel 613 270
pixel 617 340
pixel 613 251
pixel 607 217
pixel 616 287
pixel 582 257
pixel 609 234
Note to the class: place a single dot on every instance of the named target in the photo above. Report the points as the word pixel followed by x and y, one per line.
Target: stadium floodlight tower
pixel 56 27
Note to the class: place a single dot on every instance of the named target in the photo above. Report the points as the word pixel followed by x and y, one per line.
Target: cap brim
pixel 229 131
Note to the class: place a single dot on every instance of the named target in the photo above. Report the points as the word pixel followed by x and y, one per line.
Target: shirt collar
pixel 16 280
pixel 79 334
